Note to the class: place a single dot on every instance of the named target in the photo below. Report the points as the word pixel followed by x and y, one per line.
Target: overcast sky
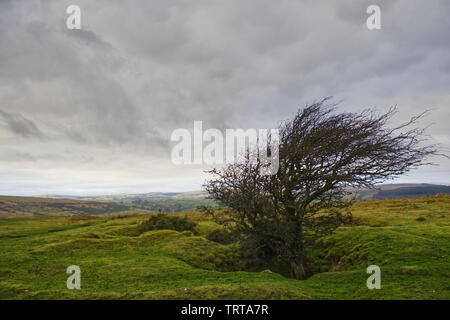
pixel 91 111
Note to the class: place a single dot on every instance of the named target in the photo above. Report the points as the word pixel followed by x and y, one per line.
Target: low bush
pixel 166 222
pixel 221 236
pixel 256 253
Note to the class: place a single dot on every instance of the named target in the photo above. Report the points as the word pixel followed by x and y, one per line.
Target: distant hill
pixel 66 205
pixel 384 191
pixel 390 191
pixel 151 201
pixel 12 207
pixel 134 196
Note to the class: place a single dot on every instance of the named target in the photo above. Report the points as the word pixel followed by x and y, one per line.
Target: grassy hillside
pixel 408 238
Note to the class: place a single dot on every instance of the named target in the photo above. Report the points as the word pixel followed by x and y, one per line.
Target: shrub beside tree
pixel 164 222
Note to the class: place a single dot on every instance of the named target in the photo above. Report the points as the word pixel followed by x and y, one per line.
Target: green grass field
pixel 409 239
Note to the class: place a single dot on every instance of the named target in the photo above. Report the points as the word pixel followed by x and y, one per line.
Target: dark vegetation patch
pixel 221 236
pixel 165 222
pixel 168 205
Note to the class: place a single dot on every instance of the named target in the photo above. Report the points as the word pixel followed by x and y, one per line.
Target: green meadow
pixel 409 239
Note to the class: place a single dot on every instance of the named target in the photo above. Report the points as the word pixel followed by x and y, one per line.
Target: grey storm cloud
pixel 19 125
pixel 114 91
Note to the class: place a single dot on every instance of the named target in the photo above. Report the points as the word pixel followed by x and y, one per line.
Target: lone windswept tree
pixel 322 155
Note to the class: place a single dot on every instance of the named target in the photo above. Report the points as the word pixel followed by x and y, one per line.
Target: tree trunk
pixel 297 270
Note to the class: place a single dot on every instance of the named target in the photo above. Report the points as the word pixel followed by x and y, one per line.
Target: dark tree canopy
pixel 322 154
